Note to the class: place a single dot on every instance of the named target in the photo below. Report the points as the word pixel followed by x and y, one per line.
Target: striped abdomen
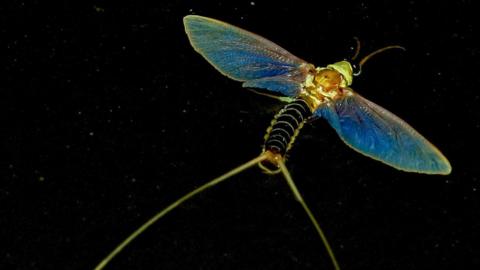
pixel 283 130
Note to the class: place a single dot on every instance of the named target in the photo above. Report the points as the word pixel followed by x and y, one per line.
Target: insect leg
pixel 174 205
pixel 299 198
pixel 280 98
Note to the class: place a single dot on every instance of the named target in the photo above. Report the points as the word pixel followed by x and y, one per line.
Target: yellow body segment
pixel 326 84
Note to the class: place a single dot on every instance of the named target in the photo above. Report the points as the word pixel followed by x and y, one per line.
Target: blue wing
pixel 377 133
pixel 246 57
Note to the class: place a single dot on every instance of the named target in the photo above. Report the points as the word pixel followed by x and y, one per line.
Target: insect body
pixel 321 86
pixel 312 93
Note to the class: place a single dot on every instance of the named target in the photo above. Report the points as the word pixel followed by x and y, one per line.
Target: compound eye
pixel 356 70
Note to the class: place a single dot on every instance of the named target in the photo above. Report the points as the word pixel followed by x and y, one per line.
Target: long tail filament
pixel 237 170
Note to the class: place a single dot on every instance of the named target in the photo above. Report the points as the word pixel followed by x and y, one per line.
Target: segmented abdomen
pixel 285 127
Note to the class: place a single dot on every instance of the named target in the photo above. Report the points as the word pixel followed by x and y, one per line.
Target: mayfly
pixel 311 93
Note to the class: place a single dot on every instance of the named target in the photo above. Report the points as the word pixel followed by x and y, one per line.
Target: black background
pixel 111 115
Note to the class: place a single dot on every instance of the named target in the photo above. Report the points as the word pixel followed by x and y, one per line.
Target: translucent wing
pixel 377 133
pixel 246 57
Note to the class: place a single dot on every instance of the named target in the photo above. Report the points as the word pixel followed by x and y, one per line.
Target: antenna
pixel 366 58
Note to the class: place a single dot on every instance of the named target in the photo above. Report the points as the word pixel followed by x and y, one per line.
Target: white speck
pixel 134 180
pixel 98 9
pixel 184 111
pixel 474 189
pixel 124 48
pixel 91 133
pixel 41 178
pixel 190 10
pixel 252 3
pixel 79 112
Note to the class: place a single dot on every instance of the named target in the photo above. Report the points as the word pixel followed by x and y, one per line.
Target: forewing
pixel 379 134
pixel 288 84
pixel 244 56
